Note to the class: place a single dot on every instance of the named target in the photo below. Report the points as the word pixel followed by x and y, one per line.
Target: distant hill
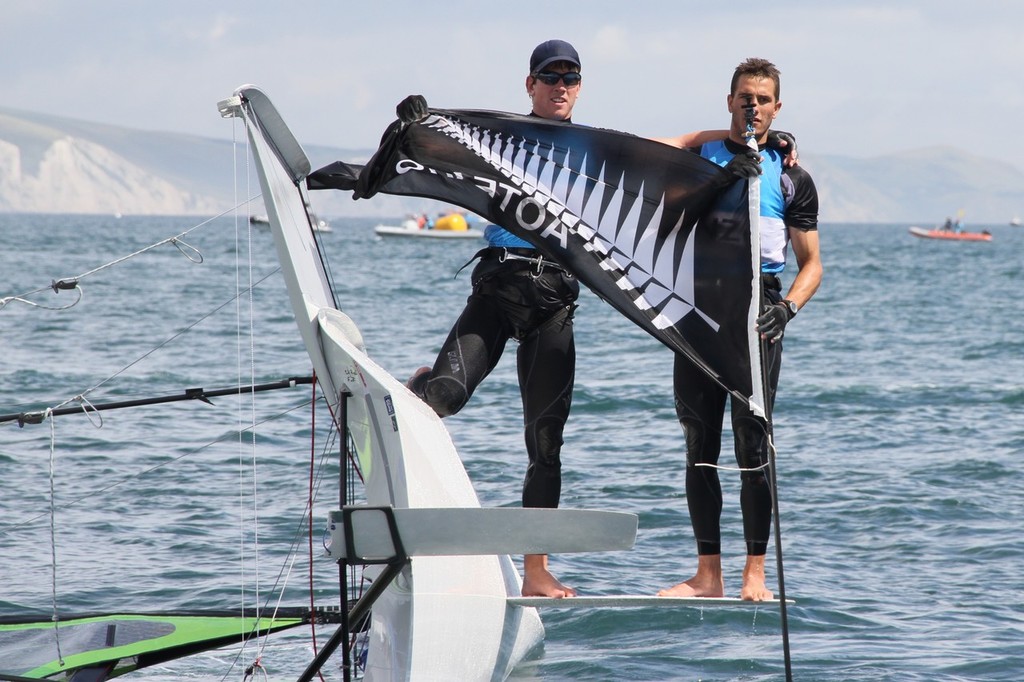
pixel 921 185
pixel 53 164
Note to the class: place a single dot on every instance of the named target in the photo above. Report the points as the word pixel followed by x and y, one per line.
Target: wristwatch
pixel 791 307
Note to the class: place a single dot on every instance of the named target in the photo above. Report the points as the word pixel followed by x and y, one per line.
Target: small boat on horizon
pixel 951 235
pixel 451 226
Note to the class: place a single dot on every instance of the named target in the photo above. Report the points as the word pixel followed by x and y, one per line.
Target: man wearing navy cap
pixel 549 64
pixel 518 294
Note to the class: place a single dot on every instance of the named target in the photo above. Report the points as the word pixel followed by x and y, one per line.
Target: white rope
pixel 725 468
pixel 21 299
pixel 252 375
pixel 766 465
pixel 238 416
pixel 281 587
pixel 87 408
pixel 245 445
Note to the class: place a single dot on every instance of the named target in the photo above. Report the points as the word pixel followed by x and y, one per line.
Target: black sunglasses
pixel 570 78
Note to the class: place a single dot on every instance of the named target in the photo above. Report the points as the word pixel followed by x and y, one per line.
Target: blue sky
pixel 859 78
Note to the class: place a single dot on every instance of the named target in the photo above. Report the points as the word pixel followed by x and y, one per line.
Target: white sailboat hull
pixel 444 618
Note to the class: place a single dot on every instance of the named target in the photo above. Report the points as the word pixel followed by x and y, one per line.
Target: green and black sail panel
pixel 97 647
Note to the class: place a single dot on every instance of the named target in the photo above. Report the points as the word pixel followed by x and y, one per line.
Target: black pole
pixel 769 430
pixel 360 610
pixel 778 560
pixel 190 394
pixel 346 657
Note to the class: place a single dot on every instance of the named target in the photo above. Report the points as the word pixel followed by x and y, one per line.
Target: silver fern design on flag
pixel 554 201
pixel 658 233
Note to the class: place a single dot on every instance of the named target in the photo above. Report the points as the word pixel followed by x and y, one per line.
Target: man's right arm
pixel 693 139
pixel 779 139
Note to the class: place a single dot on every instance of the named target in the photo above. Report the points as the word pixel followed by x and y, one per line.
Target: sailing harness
pixel 531 290
pixel 503 254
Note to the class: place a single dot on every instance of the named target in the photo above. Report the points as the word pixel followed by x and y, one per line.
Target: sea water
pixel 898 426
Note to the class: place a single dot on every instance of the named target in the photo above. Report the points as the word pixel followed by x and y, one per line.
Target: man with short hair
pixel 789 218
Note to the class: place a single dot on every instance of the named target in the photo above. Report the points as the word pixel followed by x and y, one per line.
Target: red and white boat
pixel 953 235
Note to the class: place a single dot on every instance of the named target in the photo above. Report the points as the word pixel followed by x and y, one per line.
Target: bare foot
pixel 538 580
pixel 754 586
pixel 707 583
pixel 695 587
pixel 752 592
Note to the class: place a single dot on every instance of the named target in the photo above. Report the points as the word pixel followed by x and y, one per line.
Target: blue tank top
pixel 499 236
pixel 774 235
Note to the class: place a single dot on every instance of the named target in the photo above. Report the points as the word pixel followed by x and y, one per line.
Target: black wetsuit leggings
pixel 700 407
pixel 511 300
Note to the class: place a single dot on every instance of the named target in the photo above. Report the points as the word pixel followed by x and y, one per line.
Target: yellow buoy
pixel 455 222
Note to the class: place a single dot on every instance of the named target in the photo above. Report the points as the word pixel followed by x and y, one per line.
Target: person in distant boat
pixel 948 225
pixel 789 219
pixel 519 294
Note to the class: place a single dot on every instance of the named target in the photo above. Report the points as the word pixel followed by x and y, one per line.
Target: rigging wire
pixel 317 473
pixel 94 493
pixel 72 283
pixel 53 541
pixel 304 527
pixel 313 485
pixel 280 584
pixel 243 432
pixel 292 553
pixel 242 445
pixel 309 512
pixel 81 397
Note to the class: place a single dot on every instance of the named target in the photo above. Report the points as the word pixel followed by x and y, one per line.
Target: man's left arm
pixel 808 260
pixel 802 222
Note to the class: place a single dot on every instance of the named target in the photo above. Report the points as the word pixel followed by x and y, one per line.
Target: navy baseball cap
pixel 553 51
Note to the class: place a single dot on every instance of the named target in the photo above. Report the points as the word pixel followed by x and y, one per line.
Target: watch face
pixel 792 308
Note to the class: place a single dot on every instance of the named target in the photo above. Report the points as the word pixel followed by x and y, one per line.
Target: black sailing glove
pixel 746 164
pixel 777 137
pixel 772 323
pixel 411 109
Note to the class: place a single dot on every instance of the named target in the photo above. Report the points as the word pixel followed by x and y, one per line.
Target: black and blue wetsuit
pixel 518 295
pixel 789 200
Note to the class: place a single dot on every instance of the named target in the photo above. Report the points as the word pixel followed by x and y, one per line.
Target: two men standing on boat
pixel 520 294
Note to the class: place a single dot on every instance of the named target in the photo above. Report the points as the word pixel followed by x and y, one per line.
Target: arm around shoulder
pixel 693 139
